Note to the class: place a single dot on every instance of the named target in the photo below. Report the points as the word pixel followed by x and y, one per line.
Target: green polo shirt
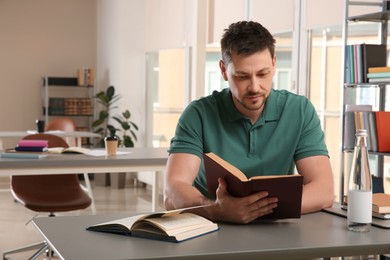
pixel 288 130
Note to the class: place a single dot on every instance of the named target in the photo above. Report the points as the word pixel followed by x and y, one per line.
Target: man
pixel 259 130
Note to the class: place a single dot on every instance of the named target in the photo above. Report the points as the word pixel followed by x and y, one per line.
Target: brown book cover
pixel 382 129
pixel 287 188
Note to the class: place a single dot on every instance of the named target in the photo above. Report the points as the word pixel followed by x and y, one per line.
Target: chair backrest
pixel 65 124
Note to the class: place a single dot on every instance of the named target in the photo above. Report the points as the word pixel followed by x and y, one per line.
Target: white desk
pixel 139 159
pixel 314 235
pixel 74 134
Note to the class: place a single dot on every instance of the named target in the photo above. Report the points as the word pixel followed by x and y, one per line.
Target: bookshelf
pixel 355 88
pixel 65 97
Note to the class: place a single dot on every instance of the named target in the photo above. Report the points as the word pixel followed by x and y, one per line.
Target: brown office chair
pixel 63 124
pixel 48 193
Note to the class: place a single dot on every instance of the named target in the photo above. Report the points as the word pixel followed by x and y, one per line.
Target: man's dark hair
pixel 246 37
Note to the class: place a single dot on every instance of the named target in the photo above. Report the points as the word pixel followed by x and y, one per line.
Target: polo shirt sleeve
pixel 311 141
pixel 188 138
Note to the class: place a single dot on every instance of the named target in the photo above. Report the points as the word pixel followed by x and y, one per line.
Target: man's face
pixel 250 80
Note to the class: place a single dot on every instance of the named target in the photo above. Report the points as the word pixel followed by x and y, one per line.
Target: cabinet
pixel 64 97
pixel 360 91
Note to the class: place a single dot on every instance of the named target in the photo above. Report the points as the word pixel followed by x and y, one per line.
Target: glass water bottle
pixel 360 186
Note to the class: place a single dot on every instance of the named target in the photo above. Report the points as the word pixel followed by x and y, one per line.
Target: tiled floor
pixel 13 217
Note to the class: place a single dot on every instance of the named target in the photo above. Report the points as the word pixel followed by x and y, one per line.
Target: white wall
pixel 40 37
pixel 121 59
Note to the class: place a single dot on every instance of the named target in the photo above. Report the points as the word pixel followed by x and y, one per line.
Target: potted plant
pixel 125 133
pixel 102 126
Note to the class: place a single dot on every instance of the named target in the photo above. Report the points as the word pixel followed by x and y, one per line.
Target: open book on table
pixel 72 149
pixel 171 226
pixel 287 188
pixel 82 150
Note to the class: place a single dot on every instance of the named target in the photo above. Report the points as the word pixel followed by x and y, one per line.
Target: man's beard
pixel 253 106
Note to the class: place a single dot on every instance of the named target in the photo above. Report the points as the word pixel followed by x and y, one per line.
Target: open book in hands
pixel 287 188
pixel 173 226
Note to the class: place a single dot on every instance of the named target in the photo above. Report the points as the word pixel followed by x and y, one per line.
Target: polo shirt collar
pixel 271 111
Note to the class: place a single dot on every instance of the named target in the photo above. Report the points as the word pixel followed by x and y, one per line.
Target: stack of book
pixel 56 106
pixel 376 123
pixel 360 57
pixel 378 74
pixel 32 146
pixel 27 149
pixel 380 205
pixel 78 106
pixel 85 77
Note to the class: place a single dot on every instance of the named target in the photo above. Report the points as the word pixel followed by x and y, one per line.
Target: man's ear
pixel 222 67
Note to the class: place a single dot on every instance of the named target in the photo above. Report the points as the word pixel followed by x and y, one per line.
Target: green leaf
pixel 97 123
pixel 125 125
pixel 127 141
pixel 119 120
pixel 133 134
pixel 134 125
pixel 100 130
pixel 126 114
pixel 110 92
pixel 103 115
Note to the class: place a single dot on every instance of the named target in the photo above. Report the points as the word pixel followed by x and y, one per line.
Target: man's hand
pixel 240 210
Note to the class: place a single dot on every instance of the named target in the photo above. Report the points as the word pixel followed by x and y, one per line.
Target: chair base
pixel 41 246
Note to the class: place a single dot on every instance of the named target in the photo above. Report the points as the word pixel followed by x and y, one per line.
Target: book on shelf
pixel 382 129
pixel 355 119
pixel 372 132
pixel 373 56
pixel 367 120
pixel 378 69
pixel 385 216
pixel 287 188
pixel 380 205
pixel 172 226
pixel 360 57
pixel 378 80
pixel 375 75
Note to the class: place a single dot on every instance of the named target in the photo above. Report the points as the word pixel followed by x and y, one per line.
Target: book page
pixel 273 176
pixel 231 168
pixel 127 222
pixel 177 224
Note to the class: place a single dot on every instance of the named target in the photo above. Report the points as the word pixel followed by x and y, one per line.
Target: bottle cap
pixel 361 132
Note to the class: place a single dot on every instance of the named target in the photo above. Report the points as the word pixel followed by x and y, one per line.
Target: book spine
pixel 373 80
pixel 33 143
pixel 382 128
pixel 30 149
pixel 22 155
pixel 378 69
pixel 378 75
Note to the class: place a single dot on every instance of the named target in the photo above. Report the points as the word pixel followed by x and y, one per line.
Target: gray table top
pixel 314 235
pixel 136 156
